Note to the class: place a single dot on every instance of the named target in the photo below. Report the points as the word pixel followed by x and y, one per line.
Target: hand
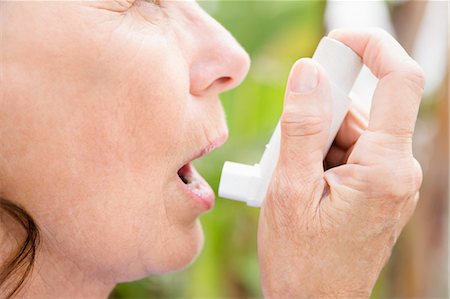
pixel 328 233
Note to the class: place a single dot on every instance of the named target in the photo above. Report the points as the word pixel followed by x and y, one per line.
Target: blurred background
pixel 276 34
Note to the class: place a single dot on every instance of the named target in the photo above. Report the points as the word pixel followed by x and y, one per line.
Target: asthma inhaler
pixel 249 183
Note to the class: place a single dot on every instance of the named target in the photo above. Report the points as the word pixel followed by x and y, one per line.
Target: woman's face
pixel 102 104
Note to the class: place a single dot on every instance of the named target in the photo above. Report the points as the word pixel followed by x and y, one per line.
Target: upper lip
pixel 218 142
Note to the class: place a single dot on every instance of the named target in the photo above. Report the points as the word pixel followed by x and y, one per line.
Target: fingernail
pixel 305 76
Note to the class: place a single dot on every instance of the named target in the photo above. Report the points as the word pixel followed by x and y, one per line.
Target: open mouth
pixel 192 182
pixel 196 185
pixel 186 175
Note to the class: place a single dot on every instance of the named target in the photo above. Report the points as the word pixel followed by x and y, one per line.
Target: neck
pixel 55 277
pixel 52 276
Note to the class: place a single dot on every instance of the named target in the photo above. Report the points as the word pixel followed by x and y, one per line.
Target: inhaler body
pixel 249 183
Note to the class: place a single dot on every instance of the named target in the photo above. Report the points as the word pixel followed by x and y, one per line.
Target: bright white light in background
pixel 431 47
pixel 357 14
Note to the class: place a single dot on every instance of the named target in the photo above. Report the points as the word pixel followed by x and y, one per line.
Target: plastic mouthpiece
pixel 249 183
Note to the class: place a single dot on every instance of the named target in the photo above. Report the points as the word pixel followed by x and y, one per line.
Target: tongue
pixel 199 186
pixel 189 175
pixel 185 173
pixel 194 180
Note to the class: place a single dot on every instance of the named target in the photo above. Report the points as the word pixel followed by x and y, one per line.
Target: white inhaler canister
pixel 249 183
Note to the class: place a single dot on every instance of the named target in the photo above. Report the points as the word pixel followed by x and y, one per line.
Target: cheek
pixel 121 246
pixel 138 117
pixel 90 155
pixel 113 199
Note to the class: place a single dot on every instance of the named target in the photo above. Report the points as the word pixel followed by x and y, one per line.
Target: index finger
pixel 397 96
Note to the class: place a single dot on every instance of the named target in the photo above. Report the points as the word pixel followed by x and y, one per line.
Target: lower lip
pixel 203 199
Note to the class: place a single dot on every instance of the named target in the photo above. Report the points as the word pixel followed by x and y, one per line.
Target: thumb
pixel 305 122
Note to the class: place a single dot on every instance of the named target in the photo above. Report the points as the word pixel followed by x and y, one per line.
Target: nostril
pixel 221 84
pixel 223 81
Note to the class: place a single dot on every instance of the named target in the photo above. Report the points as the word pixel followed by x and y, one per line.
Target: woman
pixel 105 104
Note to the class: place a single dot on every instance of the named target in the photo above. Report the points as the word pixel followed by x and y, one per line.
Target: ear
pixel 112 5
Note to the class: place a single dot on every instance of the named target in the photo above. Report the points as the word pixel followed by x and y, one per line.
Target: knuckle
pixel 417 175
pixel 410 69
pixel 414 74
pixel 379 37
pixel 395 182
pixel 297 125
pixel 402 181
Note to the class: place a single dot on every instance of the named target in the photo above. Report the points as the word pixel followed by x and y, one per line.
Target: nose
pixel 219 63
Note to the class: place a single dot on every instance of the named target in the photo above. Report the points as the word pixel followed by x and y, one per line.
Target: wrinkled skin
pixel 329 233
pixel 103 102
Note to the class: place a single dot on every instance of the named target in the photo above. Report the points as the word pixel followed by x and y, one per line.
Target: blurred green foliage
pixel 276 34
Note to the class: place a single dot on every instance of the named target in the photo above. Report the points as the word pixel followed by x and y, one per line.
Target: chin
pixel 179 250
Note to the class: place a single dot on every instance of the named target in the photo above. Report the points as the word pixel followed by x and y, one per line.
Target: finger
pixel 305 121
pixel 397 96
pixel 335 157
pixel 355 123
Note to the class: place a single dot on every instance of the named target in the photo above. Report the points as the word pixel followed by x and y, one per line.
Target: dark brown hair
pixel 17 268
